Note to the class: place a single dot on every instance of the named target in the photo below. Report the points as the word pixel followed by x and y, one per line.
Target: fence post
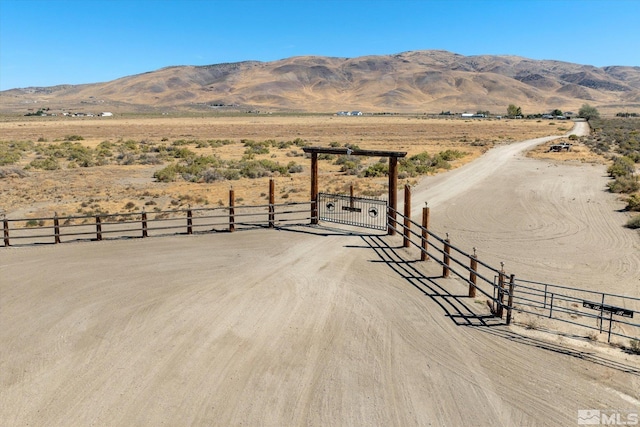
pixel 5 226
pixel 393 196
pixel 500 308
pixel 189 220
pixel 600 317
pixel 56 228
pixel 473 270
pixel 407 215
pixel 144 224
pixel 447 257
pixel 425 235
pixel 510 299
pixel 314 189
pixel 232 211
pixel 98 228
pixel 272 202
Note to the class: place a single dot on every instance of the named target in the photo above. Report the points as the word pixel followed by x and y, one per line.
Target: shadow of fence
pixel 595 312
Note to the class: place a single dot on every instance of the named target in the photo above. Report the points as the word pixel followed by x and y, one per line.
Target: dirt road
pixel 551 222
pixel 306 327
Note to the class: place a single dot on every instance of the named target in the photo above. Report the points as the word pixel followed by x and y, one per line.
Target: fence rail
pixel 617 315
pixel 57 229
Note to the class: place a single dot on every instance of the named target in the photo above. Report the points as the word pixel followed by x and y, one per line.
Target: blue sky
pixel 50 42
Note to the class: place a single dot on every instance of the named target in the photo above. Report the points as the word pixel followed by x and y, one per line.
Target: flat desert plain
pixel 83 190
pixel 314 326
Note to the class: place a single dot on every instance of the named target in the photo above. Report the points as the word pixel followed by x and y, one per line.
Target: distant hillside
pixel 419 81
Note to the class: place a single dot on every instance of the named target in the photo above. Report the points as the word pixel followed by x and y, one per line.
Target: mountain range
pixel 416 81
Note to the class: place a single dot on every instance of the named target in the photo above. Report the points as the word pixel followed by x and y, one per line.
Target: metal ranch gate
pixel 351 210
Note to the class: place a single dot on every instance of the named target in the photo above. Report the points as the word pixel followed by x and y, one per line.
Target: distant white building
pixel 106 114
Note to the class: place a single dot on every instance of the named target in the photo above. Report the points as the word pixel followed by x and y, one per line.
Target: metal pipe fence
pixel 608 313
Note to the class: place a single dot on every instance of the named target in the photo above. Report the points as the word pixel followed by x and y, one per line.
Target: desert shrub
pixel 31 223
pixel 624 184
pixel 573 137
pixel 180 153
pixel 212 175
pixel 634 346
pixel 254 148
pixel 104 149
pixel 261 168
pixel 181 142
pixel 349 165
pixel 129 145
pixel 232 174
pixel 48 163
pixel 7 156
pixel 299 142
pixel 167 174
pixel 73 138
pixel 378 169
pixel 149 159
pixel 634 222
pixel 82 156
pixel 130 206
pixel 219 143
pixel 292 167
pixel 621 166
pixel 450 155
pixel 11 152
pixel 126 159
pixel 633 203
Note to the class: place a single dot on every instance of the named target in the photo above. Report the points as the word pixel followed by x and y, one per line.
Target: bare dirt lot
pixel 309 326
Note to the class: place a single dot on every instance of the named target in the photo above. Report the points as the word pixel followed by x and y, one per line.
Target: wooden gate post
pixel 393 194
pixel 189 220
pixel 5 226
pixel 144 224
pixel 447 257
pixel 56 228
pixel 425 235
pixel 98 227
pixel 501 274
pixel 407 215
pixel 272 201
pixel 232 211
pixel 510 299
pixel 473 270
pixel 314 188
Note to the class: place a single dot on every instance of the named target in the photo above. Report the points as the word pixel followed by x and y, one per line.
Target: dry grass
pixel 110 188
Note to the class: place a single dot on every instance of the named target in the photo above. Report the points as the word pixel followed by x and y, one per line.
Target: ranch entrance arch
pixel 393 176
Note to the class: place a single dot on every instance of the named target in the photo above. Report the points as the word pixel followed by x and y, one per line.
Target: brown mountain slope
pixel 419 81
